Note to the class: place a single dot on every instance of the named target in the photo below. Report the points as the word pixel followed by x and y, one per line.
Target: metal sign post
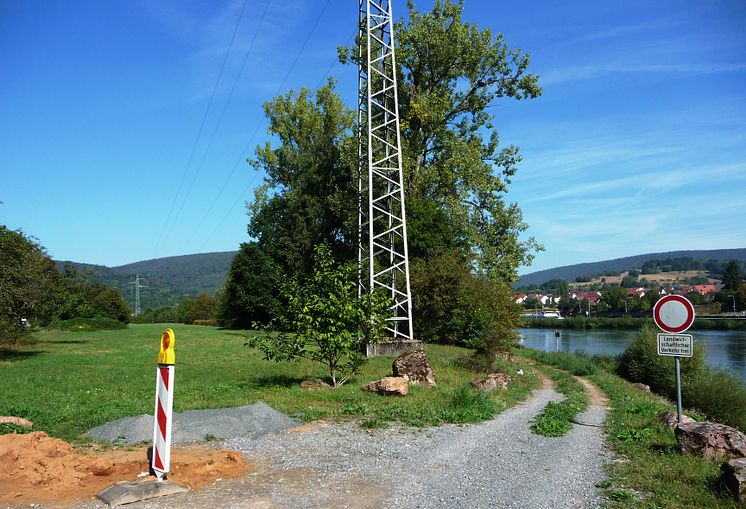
pixel 674 314
pixel 164 403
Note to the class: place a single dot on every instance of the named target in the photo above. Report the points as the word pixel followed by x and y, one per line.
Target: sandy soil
pixel 38 469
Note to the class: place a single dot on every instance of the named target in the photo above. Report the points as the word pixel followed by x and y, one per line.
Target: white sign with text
pixel 676 345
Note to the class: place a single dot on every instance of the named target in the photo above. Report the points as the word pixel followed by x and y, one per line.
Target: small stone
pixel 314 384
pixel 711 440
pixel 389 386
pixel 642 387
pixel 671 419
pixel 734 477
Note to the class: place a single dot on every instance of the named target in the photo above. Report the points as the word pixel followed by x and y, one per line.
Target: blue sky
pixel 124 126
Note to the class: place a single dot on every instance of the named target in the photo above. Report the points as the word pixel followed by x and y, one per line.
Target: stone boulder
pixel 711 440
pixel 414 367
pixel 642 387
pixel 314 384
pixel 491 382
pixel 671 419
pixel 734 477
pixel 389 386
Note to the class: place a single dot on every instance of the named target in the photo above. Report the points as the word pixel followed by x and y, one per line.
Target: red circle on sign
pixel 673 313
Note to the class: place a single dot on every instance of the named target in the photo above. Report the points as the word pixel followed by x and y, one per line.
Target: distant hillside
pixel 168 279
pixel 570 272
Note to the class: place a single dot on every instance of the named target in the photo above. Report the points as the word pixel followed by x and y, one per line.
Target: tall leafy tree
pixel 451 73
pixel 309 196
pixel 732 277
pixel 28 278
pixel 251 292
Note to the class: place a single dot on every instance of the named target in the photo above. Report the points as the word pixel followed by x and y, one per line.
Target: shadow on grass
pixel 275 381
pixel 665 448
pixel 68 341
pixel 9 354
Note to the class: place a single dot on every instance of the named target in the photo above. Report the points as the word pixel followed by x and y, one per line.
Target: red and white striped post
pixel 164 403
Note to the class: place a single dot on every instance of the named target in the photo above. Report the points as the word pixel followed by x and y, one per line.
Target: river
pixel 724 349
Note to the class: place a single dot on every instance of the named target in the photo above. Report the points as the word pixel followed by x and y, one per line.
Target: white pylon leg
pixel 164 403
pixel 383 254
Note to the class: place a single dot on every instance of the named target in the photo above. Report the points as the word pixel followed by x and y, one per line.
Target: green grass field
pixel 69 382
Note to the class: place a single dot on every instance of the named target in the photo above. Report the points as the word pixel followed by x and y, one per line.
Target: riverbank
pixel 627 322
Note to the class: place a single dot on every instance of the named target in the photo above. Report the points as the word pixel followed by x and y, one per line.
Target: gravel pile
pixel 496 464
pixel 196 425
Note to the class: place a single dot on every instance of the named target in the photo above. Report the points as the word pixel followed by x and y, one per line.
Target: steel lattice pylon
pixel 382 256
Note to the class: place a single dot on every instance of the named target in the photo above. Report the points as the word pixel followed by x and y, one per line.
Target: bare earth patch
pixel 595 396
pixel 38 469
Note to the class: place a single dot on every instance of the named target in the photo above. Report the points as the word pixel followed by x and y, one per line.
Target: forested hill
pixel 570 272
pixel 168 279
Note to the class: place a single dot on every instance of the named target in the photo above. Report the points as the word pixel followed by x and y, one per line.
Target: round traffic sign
pixel 673 313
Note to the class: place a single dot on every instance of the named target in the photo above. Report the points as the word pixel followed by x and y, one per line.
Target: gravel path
pixel 496 464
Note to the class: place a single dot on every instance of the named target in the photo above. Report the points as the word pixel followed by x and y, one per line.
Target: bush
pixel 204 322
pixel 88 324
pixel 640 362
pixel 719 394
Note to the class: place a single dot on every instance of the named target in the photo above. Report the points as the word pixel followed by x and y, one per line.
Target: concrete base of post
pixel 393 347
pixel 129 492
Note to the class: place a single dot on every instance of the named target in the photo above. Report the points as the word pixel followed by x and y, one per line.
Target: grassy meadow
pixel 69 382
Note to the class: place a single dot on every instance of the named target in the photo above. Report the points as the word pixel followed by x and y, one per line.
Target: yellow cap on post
pixel 166 355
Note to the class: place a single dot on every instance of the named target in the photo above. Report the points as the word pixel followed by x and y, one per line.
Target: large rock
pixel 671 419
pixel 491 382
pixel 711 440
pixel 414 367
pixel 734 477
pixel 389 386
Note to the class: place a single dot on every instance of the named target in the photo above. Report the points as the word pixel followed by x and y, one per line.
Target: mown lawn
pixel 70 382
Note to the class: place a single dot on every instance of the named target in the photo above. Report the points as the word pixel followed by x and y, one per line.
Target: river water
pixel 723 349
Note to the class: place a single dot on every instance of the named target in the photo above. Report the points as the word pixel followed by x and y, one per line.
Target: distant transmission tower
pixel 383 258
pixel 136 284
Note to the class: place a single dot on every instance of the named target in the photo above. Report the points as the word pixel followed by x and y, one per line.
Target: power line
pixel 214 132
pixel 201 127
pixel 261 122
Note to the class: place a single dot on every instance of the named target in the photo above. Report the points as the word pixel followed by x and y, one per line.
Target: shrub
pixel 204 322
pixel 719 394
pixel 640 362
pixel 88 324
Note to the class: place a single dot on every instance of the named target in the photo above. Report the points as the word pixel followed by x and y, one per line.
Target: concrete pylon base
pixel 127 492
pixel 393 347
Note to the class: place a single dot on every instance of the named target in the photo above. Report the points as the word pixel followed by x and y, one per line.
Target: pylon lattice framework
pixel 383 258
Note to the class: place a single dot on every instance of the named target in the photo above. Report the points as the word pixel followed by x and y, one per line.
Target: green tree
pixel 203 308
pixel 329 324
pixel 28 278
pixel 695 298
pixel 450 73
pixel 251 293
pixel 732 276
pixel 308 197
pixel 614 297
